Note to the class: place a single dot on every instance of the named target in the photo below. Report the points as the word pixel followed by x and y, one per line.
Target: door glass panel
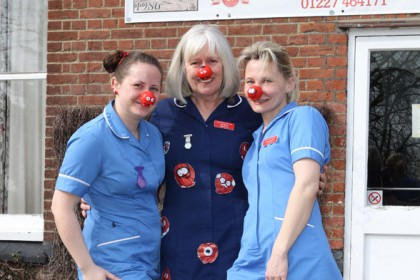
pixel 394 151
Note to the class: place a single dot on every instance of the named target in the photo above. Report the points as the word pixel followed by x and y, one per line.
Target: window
pixel 394 152
pixel 23 40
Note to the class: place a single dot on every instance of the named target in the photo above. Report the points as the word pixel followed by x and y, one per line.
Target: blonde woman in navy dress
pixel 283 234
pixel 116 163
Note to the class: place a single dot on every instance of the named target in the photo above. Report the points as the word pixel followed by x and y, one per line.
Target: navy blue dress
pixel 206 201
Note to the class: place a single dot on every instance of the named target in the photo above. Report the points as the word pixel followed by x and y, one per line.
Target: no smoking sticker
pixel 374 198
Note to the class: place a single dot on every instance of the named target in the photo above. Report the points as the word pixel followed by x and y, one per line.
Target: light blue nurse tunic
pixel 119 176
pixel 295 133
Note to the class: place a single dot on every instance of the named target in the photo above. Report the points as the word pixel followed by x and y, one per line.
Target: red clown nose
pixel 147 98
pixel 254 92
pixel 204 72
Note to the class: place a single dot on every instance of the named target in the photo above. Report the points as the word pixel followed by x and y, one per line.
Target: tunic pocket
pixel 281 219
pixel 116 242
pixel 307 242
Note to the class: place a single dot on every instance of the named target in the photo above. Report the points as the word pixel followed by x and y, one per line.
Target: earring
pixel 115 92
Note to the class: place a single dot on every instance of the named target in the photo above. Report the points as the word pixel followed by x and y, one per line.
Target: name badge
pixel 270 140
pixel 224 125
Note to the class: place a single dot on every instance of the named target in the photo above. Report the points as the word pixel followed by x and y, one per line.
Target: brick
pixel 55 25
pixel 95 13
pixel 316 39
pixel 336 61
pixel 244 29
pixel 280 29
pixel 317 27
pixel 315 73
pixel 338 38
pixel 78 25
pixel 112 3
pixel 63 14
pixel 94 24
pixel 336 85
pixel 158 33
pixel 80 4
pixel 54 5
pixel 94 35
pixel 61 100
pixel 315 62
pixel 62 36
pixel 298 39
pixel 95 3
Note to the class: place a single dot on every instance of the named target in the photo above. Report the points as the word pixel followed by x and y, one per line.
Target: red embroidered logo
pixel 270 140
pixel 224 125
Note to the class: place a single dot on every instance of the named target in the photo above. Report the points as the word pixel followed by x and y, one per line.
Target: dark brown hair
pixel 119 62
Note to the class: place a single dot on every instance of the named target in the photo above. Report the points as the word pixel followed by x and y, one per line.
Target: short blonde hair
pixel 191 43
pixel 271 53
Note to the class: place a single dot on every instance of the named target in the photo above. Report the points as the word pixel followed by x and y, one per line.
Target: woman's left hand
pixel 277 267
pixel 323 180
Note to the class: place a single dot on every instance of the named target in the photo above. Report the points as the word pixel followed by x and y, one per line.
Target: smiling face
pixel 140 77
pixel 274 88
pixel 207 86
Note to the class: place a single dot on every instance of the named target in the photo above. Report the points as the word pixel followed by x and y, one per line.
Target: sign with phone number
pixel 173 10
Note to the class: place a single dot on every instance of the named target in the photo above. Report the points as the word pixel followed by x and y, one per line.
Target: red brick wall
pixel 81 33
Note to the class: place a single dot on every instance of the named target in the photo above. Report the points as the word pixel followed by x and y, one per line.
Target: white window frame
pixel 23 227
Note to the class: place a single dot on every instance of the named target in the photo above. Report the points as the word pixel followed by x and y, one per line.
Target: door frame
pixel 350 150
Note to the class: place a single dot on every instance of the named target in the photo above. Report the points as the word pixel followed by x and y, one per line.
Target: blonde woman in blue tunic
pixel 283 234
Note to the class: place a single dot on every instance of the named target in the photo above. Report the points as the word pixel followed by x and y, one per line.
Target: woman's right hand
pixel 84 206
pixel 98 273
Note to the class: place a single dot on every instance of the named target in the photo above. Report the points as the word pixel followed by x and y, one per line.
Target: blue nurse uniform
pixel 119 177
pixel 205 199
pixel 294 134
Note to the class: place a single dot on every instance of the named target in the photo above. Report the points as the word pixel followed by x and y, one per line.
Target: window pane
pixel 394 154
pixel 22 115
pixel 23 39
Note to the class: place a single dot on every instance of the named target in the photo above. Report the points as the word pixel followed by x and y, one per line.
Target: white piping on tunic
pixel 234 105
pixel 110 127
pixel 308 148
pixel 282 219
pixel 228 106
pixel 74 179
pixel 118 240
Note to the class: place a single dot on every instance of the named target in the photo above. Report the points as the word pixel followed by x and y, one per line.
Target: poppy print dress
pixel 205 201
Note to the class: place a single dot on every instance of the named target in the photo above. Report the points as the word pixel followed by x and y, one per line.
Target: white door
pixel 382 220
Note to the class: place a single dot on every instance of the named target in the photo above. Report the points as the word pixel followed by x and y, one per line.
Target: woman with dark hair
pixel 116 163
